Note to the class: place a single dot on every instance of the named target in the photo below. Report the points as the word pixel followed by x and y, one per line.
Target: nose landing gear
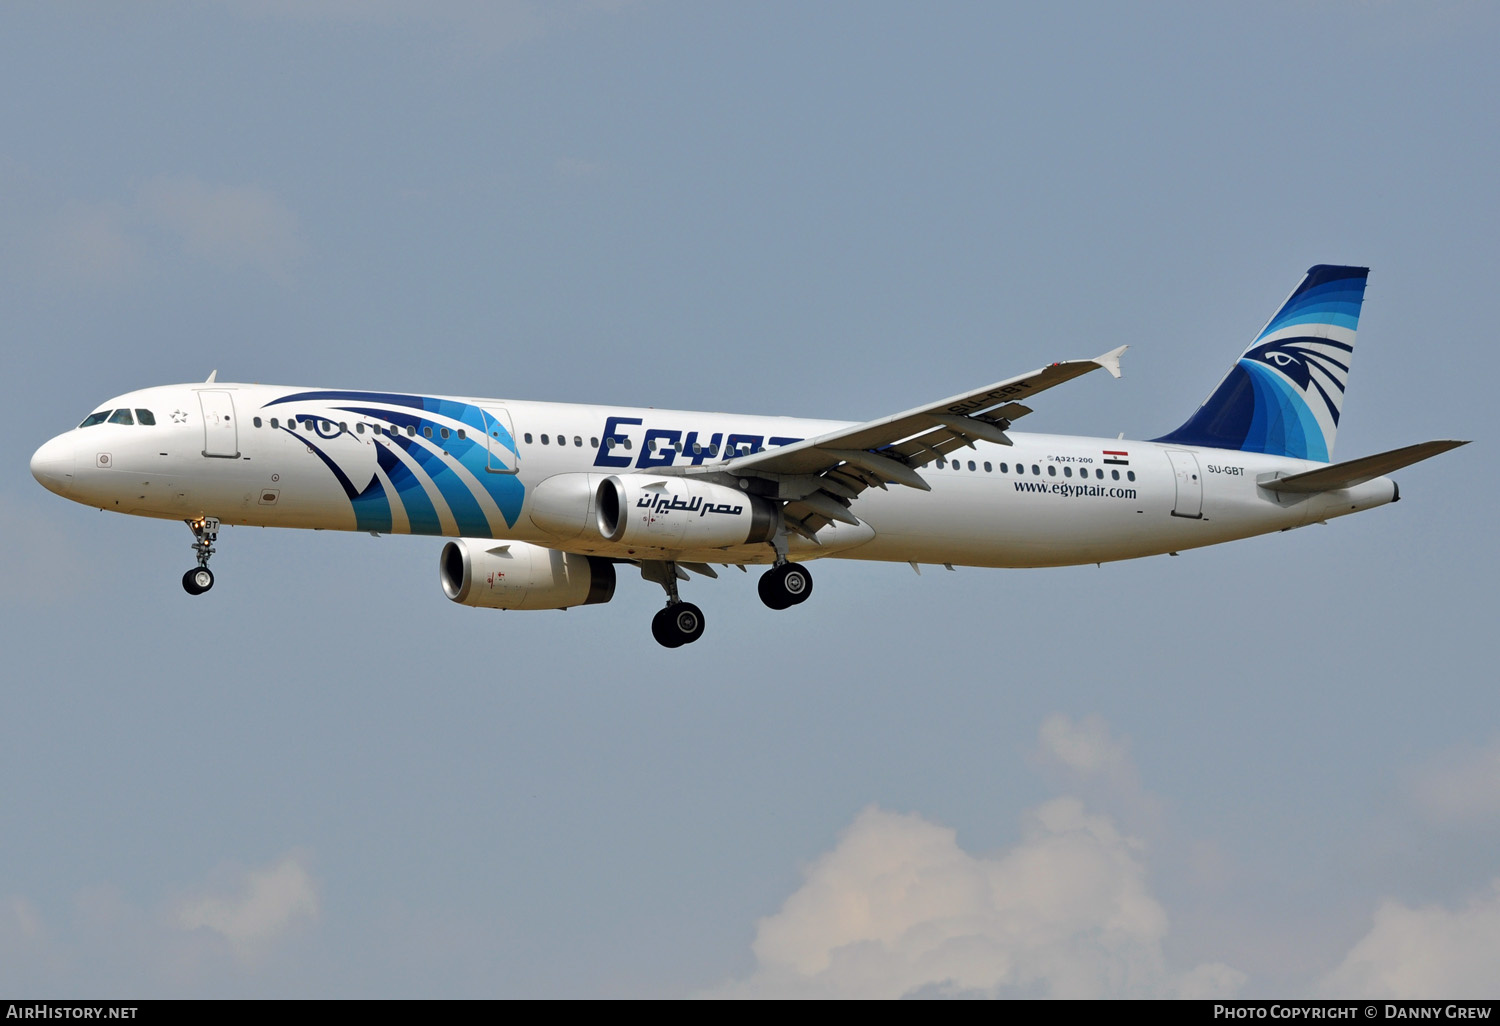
pixel 205 532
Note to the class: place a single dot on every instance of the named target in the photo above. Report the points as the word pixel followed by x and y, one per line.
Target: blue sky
pixel 1269 768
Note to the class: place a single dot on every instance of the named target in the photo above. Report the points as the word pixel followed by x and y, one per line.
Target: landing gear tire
pixel 197 580
pixel 205 532
pixel 784 586
pixel 678 624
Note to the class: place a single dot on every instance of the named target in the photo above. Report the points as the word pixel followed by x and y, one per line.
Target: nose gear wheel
pixel 197 581
pixel 205 533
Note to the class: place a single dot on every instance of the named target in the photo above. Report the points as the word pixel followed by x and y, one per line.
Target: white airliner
pixel 546 499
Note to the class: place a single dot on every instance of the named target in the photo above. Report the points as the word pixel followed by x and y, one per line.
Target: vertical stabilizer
pixel 1284 394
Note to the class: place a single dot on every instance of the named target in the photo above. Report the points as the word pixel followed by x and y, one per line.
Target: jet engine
pixel 680 513
pixel 563 505
pixel 518 575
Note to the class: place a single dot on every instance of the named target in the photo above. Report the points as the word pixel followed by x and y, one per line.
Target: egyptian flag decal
pixel 1117 457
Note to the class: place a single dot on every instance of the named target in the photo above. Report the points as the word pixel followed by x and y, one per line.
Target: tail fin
pixel 1284 394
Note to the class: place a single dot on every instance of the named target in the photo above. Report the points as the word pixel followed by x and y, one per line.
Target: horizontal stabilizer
pixel 1347 475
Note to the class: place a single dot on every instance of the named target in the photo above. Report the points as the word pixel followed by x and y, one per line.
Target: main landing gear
pixel 205 532
pixel 680 623
pixel 785 585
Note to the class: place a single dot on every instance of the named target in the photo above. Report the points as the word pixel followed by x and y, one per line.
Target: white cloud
pixel 487 26
pixel 39 562
pixel 577 169
pixel 1460 787
pixel 238 932
pixel 898 908
pixel 25 918
pixel 93 243
pixel 1428 952
pixel 260 905
pixel 1085 747
pixel 234 226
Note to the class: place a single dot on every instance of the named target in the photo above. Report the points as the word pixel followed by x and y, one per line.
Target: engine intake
pixel 519 575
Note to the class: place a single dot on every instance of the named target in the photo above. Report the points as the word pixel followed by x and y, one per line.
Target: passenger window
pixel 1004 468
pixel 427 432
pixel 987 468
pixel 443 432
pixel 1099 474
pixel 1115 474
pixel 628 443
pixel 411 431
pixel 274 424
pixel 971 465
pixel 461 435
pixel 578 441
pixel 1036 469
pixel 544 439
pixel 594 442
pixel 1067 471
pixel 359 429
pixel 95 418
pixel 256 422
pixel 527 436
pixel 942 463
pixel 1130 474
pixel 1051 470
pixel 343 427
pixel 122 417
pixel 145 417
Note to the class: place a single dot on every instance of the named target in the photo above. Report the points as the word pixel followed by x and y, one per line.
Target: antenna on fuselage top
pixel 211 376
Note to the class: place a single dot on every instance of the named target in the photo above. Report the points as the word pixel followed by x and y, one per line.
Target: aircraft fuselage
pixel 467 467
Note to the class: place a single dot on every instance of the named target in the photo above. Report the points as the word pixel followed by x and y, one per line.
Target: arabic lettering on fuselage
pixel 661 504
pixel 661 447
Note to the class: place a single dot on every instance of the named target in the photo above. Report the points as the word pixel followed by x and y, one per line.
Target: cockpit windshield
pixel 145 417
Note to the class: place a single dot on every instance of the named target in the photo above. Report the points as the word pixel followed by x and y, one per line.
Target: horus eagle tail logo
pixel 1284 394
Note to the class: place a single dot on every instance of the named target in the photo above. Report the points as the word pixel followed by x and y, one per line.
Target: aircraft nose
pixel 52 465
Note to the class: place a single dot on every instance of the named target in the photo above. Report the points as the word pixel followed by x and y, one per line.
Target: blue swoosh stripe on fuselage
pixel 506 490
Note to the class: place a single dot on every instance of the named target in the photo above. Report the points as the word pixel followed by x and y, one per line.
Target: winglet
pixel 213 376
pixel 1110 361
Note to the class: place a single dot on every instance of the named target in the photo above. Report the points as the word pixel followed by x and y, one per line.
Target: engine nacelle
pixel 680 513
pixel 563 505
pixel 518 575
